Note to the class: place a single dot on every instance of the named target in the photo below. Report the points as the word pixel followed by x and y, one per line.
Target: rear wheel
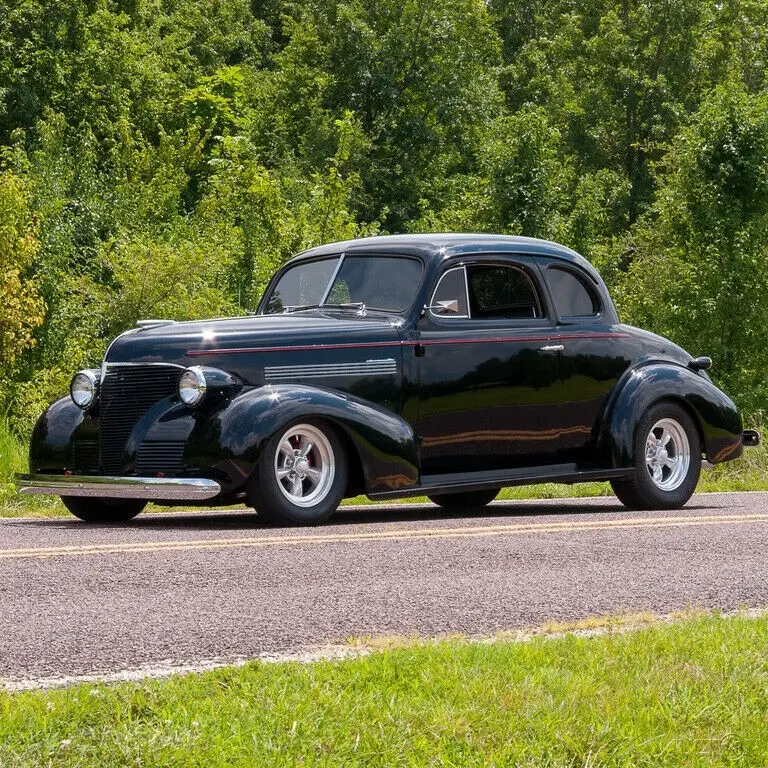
pixel 103 510
pixel 464 500
pixel 301 475
pixel 667 460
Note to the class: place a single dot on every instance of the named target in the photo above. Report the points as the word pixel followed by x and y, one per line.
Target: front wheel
pixel 465 500
pixel 301 476
pixel 108 511
pixel 667 460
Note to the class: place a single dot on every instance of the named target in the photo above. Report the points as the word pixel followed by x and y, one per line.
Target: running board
pixel 459 482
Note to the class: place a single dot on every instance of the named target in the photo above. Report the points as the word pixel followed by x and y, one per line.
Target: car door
pixel 488 376
pixel 592 358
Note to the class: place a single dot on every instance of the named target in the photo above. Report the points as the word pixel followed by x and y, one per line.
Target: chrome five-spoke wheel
pixel 667 454
pixel 301 474
pixel 304 465
pixel 667 460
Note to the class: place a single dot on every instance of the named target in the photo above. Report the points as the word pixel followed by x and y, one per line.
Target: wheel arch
pixel 717 420
pixel 380 445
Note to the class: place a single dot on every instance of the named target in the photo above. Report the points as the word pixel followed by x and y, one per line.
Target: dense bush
pixel 162 158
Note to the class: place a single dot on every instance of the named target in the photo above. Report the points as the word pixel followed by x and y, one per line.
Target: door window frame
pixel 459 268
pixel 522 263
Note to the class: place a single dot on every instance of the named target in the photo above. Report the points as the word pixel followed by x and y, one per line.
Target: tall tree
pixel 700 273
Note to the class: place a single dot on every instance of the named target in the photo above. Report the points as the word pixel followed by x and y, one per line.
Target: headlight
pixel 83 389
pixel 192 386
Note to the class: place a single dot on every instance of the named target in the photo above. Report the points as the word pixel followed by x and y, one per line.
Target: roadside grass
pixel 749 473
pixel 692 693
pixel 13 458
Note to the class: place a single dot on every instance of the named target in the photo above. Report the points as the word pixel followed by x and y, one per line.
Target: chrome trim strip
pixel 431 304
pixel 127 365
pixel 466 290
pixel 149 488
pixel 155 323
pixel 385 367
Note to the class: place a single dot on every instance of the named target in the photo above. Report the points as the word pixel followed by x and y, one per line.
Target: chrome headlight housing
pixel 192 386
pixel 84 388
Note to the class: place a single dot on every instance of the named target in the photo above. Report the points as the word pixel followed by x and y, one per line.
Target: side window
pixel 572 297
pixel 497 291
pixel 450 296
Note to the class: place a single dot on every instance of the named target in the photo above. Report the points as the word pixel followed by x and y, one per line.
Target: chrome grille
pixel 157 456
pixel 127 392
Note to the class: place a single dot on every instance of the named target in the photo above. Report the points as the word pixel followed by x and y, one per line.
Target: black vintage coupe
pixel 439 365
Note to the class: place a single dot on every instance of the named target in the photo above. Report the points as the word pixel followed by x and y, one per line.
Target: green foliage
pixel 12 459
pixel 163 157
pixel 21 308
pixel 700 272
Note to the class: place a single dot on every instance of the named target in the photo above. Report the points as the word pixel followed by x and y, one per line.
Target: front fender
pixel 57 432
pixel 384 442
pixel 717 417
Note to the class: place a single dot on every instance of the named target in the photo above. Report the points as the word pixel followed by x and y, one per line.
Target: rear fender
pixel 235 435
pixel 715 414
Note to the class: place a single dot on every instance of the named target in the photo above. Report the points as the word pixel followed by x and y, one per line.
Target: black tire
pixel 271 497
pixel 107 511
pixel 466 500
pixel 642 492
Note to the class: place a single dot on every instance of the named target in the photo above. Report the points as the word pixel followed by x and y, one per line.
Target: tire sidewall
pixel 270 502
pixel 656 497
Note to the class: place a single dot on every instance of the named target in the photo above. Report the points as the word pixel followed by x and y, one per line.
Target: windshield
pixel 387 283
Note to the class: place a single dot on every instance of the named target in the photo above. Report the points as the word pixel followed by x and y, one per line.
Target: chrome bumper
pixel 149 488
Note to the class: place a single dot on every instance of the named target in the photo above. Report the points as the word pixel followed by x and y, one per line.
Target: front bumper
pixel 148 488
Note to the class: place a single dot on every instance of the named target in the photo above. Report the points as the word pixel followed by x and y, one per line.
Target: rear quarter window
pixel 571 294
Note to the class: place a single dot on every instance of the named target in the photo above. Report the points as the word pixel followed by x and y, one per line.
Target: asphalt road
pixel 78 599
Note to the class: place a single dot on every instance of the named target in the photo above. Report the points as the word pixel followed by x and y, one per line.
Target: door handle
pixel 552 348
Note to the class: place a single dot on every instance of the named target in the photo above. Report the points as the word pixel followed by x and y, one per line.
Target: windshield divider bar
pixel 332 280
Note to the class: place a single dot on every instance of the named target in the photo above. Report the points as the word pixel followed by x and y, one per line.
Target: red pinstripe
pixel 426 343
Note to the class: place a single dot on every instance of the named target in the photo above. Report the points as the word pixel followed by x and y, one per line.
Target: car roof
pixel 441 246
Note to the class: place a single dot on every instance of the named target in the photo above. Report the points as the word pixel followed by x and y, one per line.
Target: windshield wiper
pixel 358 305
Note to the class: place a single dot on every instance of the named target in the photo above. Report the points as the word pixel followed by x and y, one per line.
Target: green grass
pixel 749 473
pixel 687 694
pixel 13 458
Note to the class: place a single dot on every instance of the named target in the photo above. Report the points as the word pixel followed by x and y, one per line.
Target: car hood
pixel 220 342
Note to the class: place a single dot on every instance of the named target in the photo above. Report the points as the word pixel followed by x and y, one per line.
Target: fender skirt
pixel 717 418
pixel 231 438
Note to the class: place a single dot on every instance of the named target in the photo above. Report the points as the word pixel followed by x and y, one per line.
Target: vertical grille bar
pixel 126 394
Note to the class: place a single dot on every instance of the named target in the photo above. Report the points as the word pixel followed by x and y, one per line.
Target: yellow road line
pixel 401 534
